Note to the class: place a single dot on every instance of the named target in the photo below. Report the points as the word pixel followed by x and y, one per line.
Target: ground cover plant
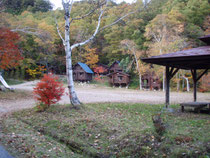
pixel 105 130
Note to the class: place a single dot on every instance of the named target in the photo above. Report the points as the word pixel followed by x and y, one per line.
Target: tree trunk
pixel 72 94
pixel 178 81
pixel 138 69
pixel 163 81
pixel 187 82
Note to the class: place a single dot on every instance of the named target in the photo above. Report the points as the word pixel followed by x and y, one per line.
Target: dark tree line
pixel 18 6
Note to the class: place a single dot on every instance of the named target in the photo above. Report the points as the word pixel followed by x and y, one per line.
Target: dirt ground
pixel 89 93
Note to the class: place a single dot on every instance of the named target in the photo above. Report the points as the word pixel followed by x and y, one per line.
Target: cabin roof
pixel 118 73
pixel 103 65
pixel 114 63
pixel 85 67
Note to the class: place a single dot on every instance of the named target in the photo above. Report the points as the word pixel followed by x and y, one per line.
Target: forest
pixel 30 43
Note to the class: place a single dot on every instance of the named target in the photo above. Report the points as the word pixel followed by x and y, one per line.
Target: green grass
pixel 14 95
pixel 13 81
pixel 105 130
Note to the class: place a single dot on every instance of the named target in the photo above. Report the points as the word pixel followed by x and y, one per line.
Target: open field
pixel 89 93
pixel 105 130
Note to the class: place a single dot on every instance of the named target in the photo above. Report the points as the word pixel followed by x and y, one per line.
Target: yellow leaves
pixel 91 56
pixel 37 71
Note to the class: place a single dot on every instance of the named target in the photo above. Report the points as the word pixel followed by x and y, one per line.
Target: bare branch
pixel 33 31
pixel 96 31
pixel 71 4
pixel 89 13
pixel 116 21
pixel 59 31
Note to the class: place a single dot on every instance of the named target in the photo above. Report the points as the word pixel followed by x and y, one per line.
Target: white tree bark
pixel 137 64
pixel 163 73
pixel 187 81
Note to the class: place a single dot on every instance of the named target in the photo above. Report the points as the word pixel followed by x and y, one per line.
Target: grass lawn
pixel 14 81
pixel 105 130
pixel 14 95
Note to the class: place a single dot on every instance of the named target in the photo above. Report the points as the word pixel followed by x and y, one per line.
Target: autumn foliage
pixel 9 52
pixel 49 90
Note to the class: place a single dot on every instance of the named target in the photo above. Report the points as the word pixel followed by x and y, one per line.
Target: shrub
pixel 48 91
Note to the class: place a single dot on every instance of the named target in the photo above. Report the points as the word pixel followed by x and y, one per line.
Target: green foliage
pixel 124 63
pixel 18 6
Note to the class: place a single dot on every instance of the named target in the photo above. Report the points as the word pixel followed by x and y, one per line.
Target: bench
pixel 196 105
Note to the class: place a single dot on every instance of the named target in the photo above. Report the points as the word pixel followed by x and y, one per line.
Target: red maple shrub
pixel 48 91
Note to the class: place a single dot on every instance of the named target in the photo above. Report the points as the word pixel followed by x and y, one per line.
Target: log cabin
pixel 82 73
pixel 119 79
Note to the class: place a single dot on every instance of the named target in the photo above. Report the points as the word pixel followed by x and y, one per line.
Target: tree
pixel 9 51
pixel 131 46
pixel 164 30
pixel 18 6
pixel 1 6
pixel 91 56
pixel 98 8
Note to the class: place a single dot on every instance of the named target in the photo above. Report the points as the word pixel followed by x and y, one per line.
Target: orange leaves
pixel 91 56
pixel 9 52
pixel 49 90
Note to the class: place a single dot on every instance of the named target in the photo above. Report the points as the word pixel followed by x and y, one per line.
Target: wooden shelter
pixel 150 81
pixel 192 59
pixel 81 72
pixel 115 67
pixel 119 78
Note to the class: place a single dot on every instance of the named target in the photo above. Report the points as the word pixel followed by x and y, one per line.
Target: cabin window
pixel 120 78
pixel 81 73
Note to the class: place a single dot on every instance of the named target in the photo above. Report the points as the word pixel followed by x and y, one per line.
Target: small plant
pixel 159 125
pixel 48 91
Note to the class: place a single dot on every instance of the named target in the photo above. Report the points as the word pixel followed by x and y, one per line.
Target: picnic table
pixel 196 105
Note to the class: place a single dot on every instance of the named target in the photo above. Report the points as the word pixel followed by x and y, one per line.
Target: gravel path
pixel 88 93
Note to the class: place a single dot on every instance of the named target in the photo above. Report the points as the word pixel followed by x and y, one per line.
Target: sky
pixel 57 3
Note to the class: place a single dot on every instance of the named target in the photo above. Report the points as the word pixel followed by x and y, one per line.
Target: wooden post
pixel 195 85
pixel 167 86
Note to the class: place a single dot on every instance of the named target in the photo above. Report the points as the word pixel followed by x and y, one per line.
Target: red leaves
pixel 49 90
pixel 100 69
pixel 9 52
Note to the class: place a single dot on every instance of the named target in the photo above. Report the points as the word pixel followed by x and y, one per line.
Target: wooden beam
pixel 197 79
pixel 174 72
pixel 194 75
pixel 167 86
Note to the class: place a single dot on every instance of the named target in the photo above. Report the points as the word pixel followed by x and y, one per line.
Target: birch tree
pixel 130 45
pixel 67 6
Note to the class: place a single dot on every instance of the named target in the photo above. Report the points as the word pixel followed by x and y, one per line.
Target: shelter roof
pixel 195 58
pixel 85 68
pixel 205 39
